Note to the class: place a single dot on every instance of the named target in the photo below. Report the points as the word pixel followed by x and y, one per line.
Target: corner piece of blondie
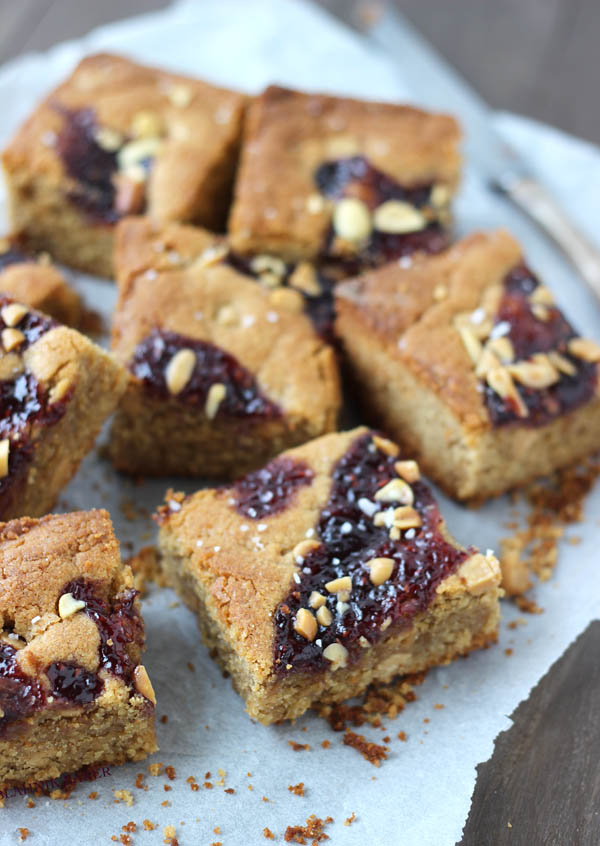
pixel 117 138
pixel 72 689
pixel 225 371
pixel 56 389
pixel 466 360
pixel 344 181
pixel 35 282
pixel 326 570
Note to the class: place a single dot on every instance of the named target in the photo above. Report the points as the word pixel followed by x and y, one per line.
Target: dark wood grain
pixel 541 787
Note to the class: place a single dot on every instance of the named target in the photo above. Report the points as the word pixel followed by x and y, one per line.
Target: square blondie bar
pixel 35 282
pixel 118 138
pixel 466 360
pixel 57 388
pixel 225 372
pixel 344 180
pixel 72 689
pixel 324 571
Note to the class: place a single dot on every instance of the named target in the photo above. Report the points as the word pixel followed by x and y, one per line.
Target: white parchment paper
pixel 421 794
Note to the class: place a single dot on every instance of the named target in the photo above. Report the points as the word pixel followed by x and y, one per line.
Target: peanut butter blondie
pixel 56 390
pixel 224 372
pixel 341 180
pixel 117 138
pixel 72 689
pixel 466 359
pixel 38 284
pixel 324 571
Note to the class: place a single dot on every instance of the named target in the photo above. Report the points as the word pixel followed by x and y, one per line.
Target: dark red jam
pixel 20 694
pixel 24 404
pixel 243 398
pixel 529 335
pixel 70 682
pixel 357 177
pixel 119 626
pixel 272 488
pixel 89 164
pixel 318 306
pixel 348 539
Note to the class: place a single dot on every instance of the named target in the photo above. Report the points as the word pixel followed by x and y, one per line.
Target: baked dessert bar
pixel 466 360
pixel 117 138
pixel 324 571
pixel 56 390
pixel 36 283
pixel 224 372
pixel 72 689
pixel 343 180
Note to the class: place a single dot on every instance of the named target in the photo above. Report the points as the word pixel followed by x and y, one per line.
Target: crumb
pixel 191 667
pixel 124 796
pixel 326 744
pixel 125 839
pixel 268 834
pixel 139 781
pixel 508 651
pixel 313 829
pixel 299 747
pixel 229 790
pixel 165 804
pixel 170 771
pixel 130 827
pixel 155 769
pixel 528 606
pixel 379 700
pixel 438 707
pixel 169 835
pixel 217 829
pixel 250 787
pixel 23 834
pixel 297 789
pixel 208 785
pixel 164 719
pixel 386 739
pixel 371 752
pixel 146 568
pixel 349 820
pixel 149 826
pixel 426 720
pixel 167 787
pixel 93 794
pixel 30 803
pixel 401 736
pixel 265 799
pixel 193 784
pixel 574 540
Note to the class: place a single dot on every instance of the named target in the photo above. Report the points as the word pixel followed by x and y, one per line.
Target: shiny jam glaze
pixel 357 177
pixel 272 488
pixel 23 405
pixel 348 539
pixel 119 627
pixel 530 335
pixel 319 307
pixel 20 694
pixel 73 683
pixel 89 164
pixel 243 398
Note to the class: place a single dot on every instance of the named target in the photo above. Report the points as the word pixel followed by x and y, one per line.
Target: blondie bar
pixel 117 138
pixel 224 372
pixel 56 390
pixel 343 180
pixel 324 571
pixel 72 689
pixel 466 359
pixel 36 283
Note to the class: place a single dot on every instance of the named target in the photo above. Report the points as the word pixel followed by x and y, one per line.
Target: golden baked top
pixel 70 628
pixel 474 325
pixel 157 138
pixel 177 279
pixel 313 558
pixel 288 135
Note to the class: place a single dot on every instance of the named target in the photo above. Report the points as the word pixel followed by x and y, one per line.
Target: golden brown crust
pixel 38 560
pixel 199 128
pixel 216 557
pixel 40 285
pixel 166 281
pixel 288 134
pixel 398 326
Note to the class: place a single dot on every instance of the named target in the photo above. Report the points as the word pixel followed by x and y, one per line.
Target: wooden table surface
pixel 541 787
